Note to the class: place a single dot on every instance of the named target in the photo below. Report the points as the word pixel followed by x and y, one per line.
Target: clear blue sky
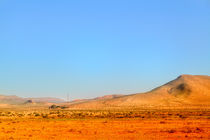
pixel 89 48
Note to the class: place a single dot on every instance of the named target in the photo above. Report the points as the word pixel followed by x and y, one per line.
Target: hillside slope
pixel 186 89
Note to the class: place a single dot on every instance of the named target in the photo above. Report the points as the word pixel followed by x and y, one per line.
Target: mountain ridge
pixel 13 99
pixel 185 89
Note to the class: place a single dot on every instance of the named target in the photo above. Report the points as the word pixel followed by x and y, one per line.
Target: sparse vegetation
pixel 110 123
pixel 57 107
pixel 103 121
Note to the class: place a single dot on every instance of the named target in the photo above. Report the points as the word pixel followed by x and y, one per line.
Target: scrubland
pixel 105 124
pixel 177 110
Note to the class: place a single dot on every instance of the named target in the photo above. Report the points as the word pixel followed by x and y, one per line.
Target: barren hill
pixel 12 99
pixel 94 100
pixel 185 90
pixel 47 100
pixel 15 100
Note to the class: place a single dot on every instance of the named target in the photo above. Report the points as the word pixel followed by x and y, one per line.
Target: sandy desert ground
pixel 177 110
pixel 106 124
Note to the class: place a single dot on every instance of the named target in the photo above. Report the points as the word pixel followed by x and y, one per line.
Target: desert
pixel 104 69
pixel 174 116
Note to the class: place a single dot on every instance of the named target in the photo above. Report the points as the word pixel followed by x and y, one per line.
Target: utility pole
pixel 68 97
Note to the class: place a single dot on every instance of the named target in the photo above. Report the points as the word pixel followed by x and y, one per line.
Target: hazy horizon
pixel 94 48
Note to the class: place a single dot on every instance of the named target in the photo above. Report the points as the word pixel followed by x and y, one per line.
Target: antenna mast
pixel 67 97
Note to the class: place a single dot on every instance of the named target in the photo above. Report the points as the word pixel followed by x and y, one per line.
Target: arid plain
pixel 179 109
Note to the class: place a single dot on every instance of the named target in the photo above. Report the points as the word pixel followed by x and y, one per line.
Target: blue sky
pixel 93 48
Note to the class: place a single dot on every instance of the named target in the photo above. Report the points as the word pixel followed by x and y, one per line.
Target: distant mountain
pixel 47 99
pixel 185 90
pixel 6 99
pixel 109 96
pixel 101 98
pixel 11 99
